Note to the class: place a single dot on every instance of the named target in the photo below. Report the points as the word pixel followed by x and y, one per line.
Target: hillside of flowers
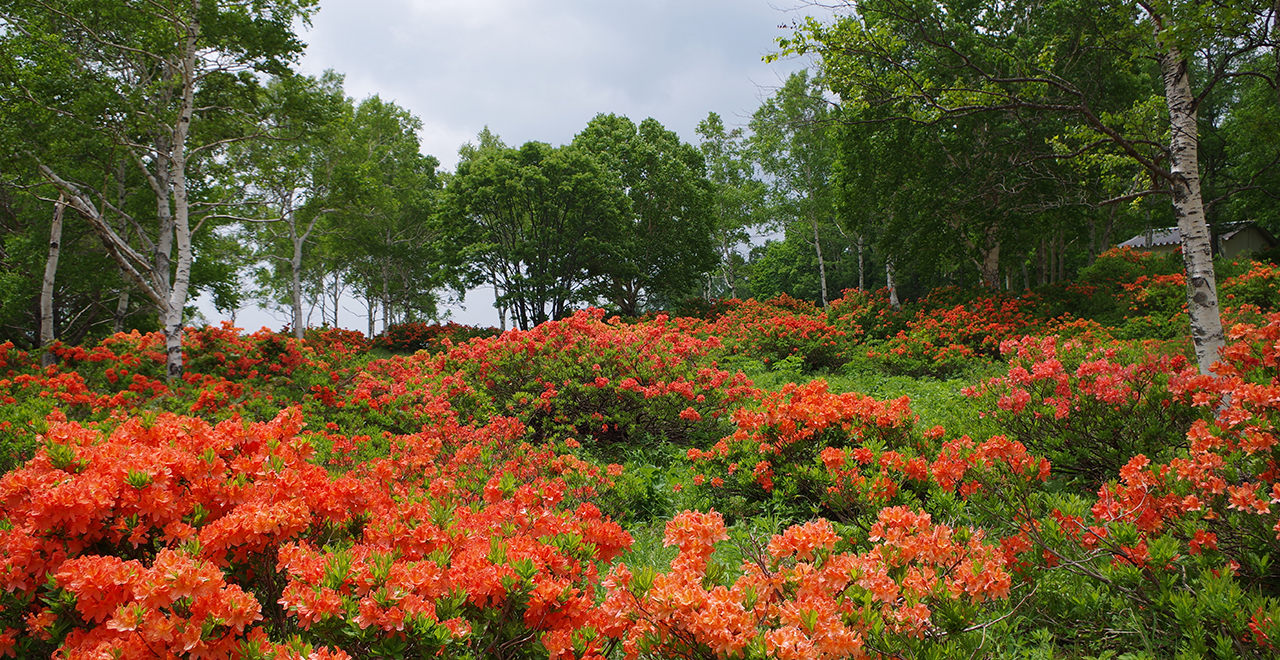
pixel 663 487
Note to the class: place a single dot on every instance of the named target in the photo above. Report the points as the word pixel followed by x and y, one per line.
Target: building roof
pixel 1158 237
pixel 1173 236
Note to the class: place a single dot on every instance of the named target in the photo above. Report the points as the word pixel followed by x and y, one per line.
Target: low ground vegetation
pixel 970 475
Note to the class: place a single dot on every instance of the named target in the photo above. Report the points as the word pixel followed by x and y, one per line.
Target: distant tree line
pixel 152 152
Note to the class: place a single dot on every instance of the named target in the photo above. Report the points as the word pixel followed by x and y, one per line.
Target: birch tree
pixel 942 58
pixel 171 82
pixel 791 140
pixel 293 175
pixel 737 198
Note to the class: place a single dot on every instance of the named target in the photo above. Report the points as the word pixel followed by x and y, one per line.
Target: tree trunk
pixel 295 289
pixel 177 298
pixel 988 261
pixel 46 289
pixel 295 262
pixel 891 283
pixel 862 273
pixel 822 266
pixel 122 309
pixel 726 267
pixel 1188 208
pixel 1062 255
pixel 386 298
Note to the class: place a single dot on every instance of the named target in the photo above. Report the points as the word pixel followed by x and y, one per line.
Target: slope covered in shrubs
pixel 600 488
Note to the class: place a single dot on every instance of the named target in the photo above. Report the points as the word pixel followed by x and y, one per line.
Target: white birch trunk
pixel 891 283
pixel 1188 208
pixel 822 266
pixel 862 272
pixel 50 274
pixel 295 288
pixel 122 310
pixel 177 298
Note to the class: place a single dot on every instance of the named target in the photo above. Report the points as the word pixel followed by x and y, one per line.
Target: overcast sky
pixel 541 69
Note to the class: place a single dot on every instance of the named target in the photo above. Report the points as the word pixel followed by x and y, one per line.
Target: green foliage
pixel 413 337
pixel 1110 290
pixel 665 246
pixel 544 225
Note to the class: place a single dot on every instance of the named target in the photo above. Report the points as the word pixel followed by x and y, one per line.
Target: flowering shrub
pixel 434 337
pixel 464 503
pixel 612 384
pixel 1100 292
pixel 801 598
pixel 329 341
pixel 778 451
pixel 940 339
pixel 1088 410
pixel 777 329
pixel 173 534
pixel 1258 286
pixel 868 315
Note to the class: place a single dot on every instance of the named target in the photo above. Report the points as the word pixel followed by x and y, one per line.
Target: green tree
pixel 384 196
pixel 540 223
pixel 291 178
pixel 792 142
pixel 944 59
pixel 666 245
pixel 737 202
pixel 169 84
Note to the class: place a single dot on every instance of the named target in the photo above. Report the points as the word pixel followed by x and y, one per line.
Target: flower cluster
pixel 777 329
pixel 433 337
pixel 586 378
pixel 943 336
pixel 801 598
pixel 1087 408
pixel 172 533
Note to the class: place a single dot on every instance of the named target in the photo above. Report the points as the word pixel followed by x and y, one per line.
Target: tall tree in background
pixel 737 200
pixel 540 223
pixel 350 207
pixel 292 175
pixel 666 245
pixel 384 196
pixel 792 141
pixel 170 83
pixel 943 58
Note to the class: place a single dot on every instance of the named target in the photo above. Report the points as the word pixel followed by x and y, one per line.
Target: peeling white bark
pixel 1188 208
pixel 50 275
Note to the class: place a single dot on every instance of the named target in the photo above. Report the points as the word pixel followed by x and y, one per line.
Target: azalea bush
pixel 599 382
pixel 778 329
pixel 808 593
pixel 169 534
pixel 774 458
pixel 307 499
pixel 433 337
pixel 1089 408
pixel 943 337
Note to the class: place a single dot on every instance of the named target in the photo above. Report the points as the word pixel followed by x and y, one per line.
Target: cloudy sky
pixel 541 69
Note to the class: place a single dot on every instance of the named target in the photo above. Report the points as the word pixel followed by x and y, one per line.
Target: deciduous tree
pixel 666 244
pixel 941 58
pixel 540 223
pixel 170 83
